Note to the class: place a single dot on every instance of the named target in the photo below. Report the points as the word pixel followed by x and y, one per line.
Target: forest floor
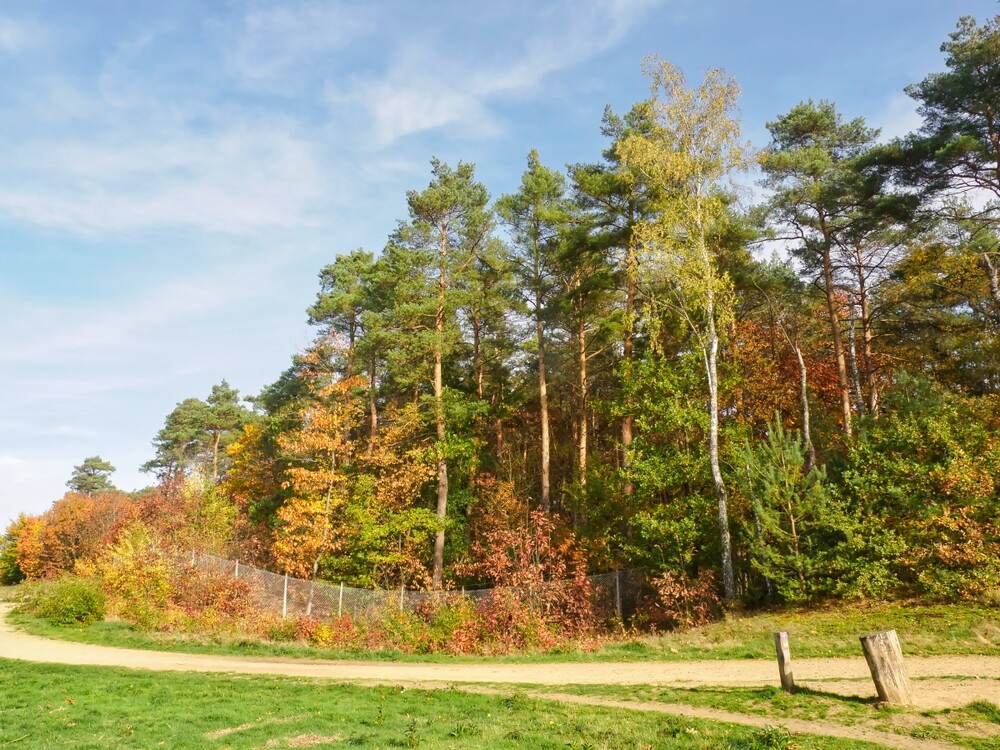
pixel 941 683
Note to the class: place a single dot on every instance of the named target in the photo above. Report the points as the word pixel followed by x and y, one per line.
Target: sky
pixel 173 175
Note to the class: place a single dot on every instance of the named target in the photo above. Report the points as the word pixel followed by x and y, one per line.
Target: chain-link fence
pixel 614 595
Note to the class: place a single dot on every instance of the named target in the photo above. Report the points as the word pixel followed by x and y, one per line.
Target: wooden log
pixel 784 661
pixel 885 660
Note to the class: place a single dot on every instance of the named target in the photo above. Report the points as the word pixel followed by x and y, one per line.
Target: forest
pixel 627 364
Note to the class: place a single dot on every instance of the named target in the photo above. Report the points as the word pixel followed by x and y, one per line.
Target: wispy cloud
pixel 149 139
pixel 17 36
pixel 275 48
pixel 431 86
pixel 120 330
pixel 237 180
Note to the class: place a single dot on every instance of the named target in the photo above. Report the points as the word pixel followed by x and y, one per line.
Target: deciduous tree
pixel 693 145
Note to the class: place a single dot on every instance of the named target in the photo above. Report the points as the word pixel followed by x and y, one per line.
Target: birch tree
pixel 693 144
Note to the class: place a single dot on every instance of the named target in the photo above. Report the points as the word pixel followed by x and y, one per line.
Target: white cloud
pixel 275 45
pixel 427 88
pixel 412 106
pixel 235 181
pixel 18 36
pixel 119 330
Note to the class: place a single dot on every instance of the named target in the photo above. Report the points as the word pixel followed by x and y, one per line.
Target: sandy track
pixel 939 681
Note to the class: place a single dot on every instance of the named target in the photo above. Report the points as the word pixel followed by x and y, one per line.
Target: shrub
pixel 342 633
pixel 137 576
pixel 196 590
pixel 797 523
pixel 683 602
pixel 924 482
pixel 69 601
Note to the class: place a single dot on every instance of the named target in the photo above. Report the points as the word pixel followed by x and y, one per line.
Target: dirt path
pixel 939 681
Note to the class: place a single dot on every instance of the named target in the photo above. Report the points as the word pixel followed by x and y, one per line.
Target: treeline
pixel 787 401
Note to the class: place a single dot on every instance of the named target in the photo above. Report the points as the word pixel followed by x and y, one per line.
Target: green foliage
pixel 796 525
pixel 92 476
pixel 923 483
pixel 771 738
pixel 68 601
pixel 10 571
pixel 196 433
pixel 957 145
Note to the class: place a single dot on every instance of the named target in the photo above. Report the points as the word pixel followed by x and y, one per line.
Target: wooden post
pixel 784 661
pixel 284 599
pixel 885 660
pixel 340 601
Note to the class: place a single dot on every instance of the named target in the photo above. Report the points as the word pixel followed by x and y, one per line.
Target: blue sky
pixel 173 175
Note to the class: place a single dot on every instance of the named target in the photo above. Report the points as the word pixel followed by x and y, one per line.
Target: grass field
pixel 923 629
pixel 47 706
pixel 975 726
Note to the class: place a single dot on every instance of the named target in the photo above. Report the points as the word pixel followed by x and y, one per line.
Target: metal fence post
pixel 236 574
pixel 340 601
pixel 284 599
pixel 618 593
pixel 193 553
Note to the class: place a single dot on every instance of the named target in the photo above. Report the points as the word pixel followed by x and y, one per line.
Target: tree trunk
pixel 867 338
pixel 215 457
pixel 323 541
pixel 437 576
pixel 627 357
pixel 543 404
pixel 351 336
pixel 806 422
pixel 991 276
pixel 372 407
pixel 838 344
pixel 581 446
pixel 711 367
pixel 477 357
pixel 885 662
pixel 852 355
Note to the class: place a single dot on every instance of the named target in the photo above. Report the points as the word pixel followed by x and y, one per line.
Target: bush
pixel 923 483
pixel 195 590
pixel 683 602
pixel 137 576
pixel 68 601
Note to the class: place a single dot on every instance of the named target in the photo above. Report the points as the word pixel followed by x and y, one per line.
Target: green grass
pixel 46 706
pixel 923 629
pixel 973 726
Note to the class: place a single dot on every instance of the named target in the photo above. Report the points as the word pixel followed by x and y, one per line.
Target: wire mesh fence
pixel 614 595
